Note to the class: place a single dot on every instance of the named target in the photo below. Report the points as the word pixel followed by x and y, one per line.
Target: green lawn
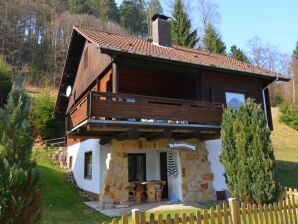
pixel 285 144
pixel 61 202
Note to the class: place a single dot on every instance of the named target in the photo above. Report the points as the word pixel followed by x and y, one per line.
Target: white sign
pixel 182 145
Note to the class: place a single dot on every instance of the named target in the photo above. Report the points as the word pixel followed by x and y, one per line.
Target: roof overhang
pixel 139 55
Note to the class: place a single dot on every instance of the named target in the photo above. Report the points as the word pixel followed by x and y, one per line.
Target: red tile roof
pixel 139 46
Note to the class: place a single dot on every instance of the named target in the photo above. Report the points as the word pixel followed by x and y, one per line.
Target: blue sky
pixel 274 21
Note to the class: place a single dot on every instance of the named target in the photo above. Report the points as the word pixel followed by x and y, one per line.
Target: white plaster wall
pixel 105 157
pixel 77 152
pixel 215 149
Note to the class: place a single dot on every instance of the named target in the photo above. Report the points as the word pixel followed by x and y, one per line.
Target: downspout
pixel 264 100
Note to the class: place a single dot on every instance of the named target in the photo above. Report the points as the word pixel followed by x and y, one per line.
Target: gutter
pixel 264 100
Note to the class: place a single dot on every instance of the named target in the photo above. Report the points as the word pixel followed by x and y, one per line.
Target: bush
pixel 289 114
pixel 5 81
pixel 248 154
pixel 20 200
pixel 45 124
pixel 277 99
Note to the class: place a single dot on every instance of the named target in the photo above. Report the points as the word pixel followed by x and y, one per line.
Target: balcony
pixel 124 116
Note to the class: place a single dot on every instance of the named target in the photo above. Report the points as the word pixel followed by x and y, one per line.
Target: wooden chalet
pixel 131 95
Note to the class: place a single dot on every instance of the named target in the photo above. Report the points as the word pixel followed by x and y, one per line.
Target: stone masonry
pixel 195 171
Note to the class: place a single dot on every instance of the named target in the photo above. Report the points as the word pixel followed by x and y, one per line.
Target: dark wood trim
pixel 115 78
pixel 268 109
pixel 86 156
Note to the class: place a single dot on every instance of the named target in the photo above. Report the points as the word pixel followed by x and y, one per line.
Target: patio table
pixel 151 190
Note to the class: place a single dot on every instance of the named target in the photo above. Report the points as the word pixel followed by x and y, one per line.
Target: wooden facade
pixel 132 96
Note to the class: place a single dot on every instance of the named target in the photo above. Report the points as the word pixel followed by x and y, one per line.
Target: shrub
pixel 5 81
pixel 45 124
pixel 277 99
pixel 289 114
pixel 248 154
pixel 20 200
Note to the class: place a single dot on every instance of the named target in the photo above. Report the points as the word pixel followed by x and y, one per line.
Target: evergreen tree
pixel 153 7
pixel 45 124
pixel 248 154
pixel 295 52
pixel 107 10
pixel 212 41
pixel 79 6
pixel 133 16
pixel 238 54
pixel 20 200
pixel 181 27
pixel 5 81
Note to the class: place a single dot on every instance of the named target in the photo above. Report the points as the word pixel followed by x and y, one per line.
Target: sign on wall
pixel 182 145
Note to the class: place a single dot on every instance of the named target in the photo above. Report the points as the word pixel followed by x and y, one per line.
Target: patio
pixel 147 207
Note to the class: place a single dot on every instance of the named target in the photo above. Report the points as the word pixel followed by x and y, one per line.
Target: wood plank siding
pixel 92 65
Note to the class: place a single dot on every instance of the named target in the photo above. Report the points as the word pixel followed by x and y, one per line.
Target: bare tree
pixel 268 56
pixel 207 13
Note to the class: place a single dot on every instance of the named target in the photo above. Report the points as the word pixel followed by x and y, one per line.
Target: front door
pixel 163 173
pixel 136 167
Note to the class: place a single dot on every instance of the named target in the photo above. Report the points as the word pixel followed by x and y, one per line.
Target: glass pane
pixel 233 100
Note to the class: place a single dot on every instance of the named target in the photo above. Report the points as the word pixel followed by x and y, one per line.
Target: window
pixel 136 167
pixel 70 162
pixel 88 165
pixel 233 100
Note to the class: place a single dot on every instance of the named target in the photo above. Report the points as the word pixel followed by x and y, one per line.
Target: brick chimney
pixel 161 30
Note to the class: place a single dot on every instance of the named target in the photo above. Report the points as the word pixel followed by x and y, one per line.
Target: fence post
pixel 235 210
pixel 135 213
pixel 296 198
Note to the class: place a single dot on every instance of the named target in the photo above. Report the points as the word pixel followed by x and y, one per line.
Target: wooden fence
pixel 283 212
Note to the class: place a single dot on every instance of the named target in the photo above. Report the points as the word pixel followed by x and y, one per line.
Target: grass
pixel 285 144
pixel 63 204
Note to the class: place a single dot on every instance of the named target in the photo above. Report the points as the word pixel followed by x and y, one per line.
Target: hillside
pixel 285 144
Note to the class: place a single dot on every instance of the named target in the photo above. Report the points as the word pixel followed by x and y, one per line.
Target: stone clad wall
pixel 195 170
pixel 196 175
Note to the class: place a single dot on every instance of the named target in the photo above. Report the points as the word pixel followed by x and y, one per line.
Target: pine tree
pixel 238 54
pixel 153 7
pixel 181 27
pixel 5 81
pixel 107 10
pixel 212 41
pixel 248 154
pixel 133 16
pixel 295 52
pixel 20 200
pixel 79 6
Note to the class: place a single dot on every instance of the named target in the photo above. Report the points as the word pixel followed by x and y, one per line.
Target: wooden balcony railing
pixel 111 106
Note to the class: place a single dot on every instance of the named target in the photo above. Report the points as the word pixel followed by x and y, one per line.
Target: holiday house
pixel 142 116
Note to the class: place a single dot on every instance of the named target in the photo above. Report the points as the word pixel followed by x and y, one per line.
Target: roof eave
pixel 112 50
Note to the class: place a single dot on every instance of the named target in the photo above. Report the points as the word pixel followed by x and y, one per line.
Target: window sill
pixel 88 178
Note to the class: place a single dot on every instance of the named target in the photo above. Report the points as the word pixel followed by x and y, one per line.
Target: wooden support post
pixel 136 216
pixel 235 210
pixel 115 78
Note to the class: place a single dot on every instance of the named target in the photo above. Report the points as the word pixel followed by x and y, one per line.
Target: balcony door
pixel 136 167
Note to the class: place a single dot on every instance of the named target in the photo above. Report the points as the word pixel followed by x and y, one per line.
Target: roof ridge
pixel 109 32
